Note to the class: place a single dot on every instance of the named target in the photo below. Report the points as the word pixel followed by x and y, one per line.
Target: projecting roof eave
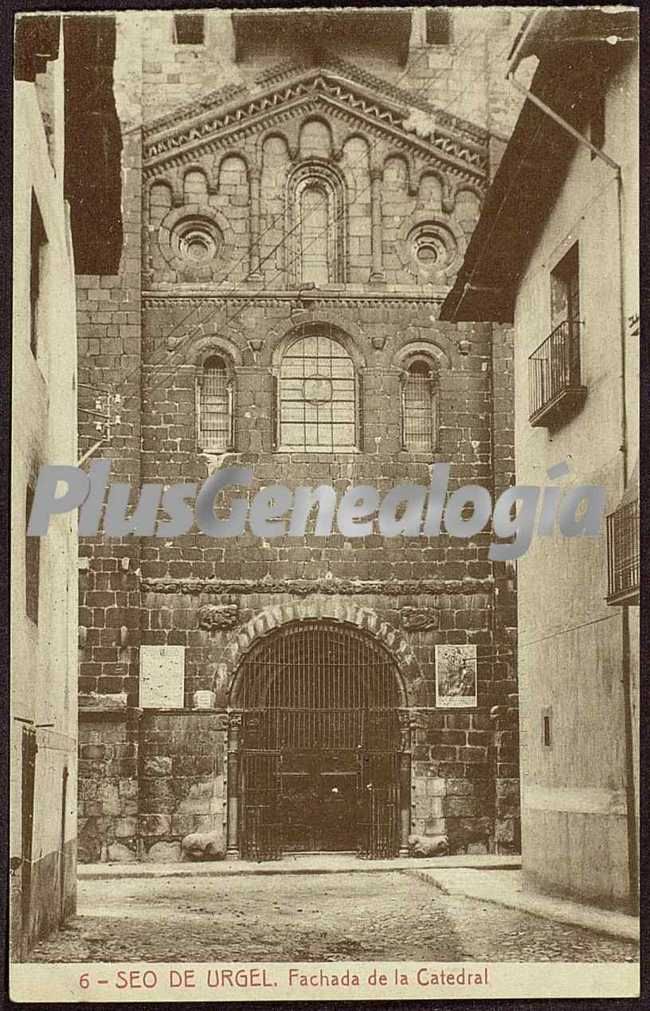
pixel 547 28
pixel 571 44
pixel 516 205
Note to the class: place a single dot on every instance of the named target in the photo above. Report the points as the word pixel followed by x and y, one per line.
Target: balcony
pixel 556 392
pixel 623 554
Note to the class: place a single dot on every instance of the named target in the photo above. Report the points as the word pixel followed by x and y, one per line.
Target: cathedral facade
pixel 298 193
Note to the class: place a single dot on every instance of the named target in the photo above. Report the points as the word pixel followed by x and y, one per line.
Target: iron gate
pixel 379 805
pixel 261 826
pixel 320 744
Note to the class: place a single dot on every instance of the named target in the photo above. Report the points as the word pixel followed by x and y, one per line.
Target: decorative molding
pixel 418 619
pixel 402 96
pixel 365 618
pixel 330 586
pixel 214 618
pixel 209 101
pixel 461 126
pixel 459 150
pixel 206 224
pixel 163 299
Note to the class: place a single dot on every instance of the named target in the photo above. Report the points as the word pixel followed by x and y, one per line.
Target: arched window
pixel 215 429
pixel 317 396
pixel 316 225
pixel 315 235
pixel 420 406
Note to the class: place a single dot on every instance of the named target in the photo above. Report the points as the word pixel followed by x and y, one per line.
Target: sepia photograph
pixel 325 541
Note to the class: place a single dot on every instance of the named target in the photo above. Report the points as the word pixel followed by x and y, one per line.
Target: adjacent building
pixel 556 253
pixel 299 189
pixel 44 577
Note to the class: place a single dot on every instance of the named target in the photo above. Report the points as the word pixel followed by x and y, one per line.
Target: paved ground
pixel 392 916
pixel 507 888
pixel 296 863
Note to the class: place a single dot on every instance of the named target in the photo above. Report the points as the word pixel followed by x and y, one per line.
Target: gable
pixel 393 122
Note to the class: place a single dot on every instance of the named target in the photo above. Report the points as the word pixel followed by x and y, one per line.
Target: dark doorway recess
pixel 322 763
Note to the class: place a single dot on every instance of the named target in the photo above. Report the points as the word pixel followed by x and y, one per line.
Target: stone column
pixel 377 275
pixel 255 178
pixel 405 784
pixel 234 728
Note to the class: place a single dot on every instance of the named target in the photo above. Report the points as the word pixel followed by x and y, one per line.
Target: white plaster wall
pixel 570 658
pixel 43 656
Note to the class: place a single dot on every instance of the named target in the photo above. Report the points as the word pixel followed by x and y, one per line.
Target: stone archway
pixel 327 608
pixel 319 749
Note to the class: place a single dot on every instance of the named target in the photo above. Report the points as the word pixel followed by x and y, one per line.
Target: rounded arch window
pixel 317 396
pixel 215 403
pixel 420 405
pixel 316 239
pixel 316 225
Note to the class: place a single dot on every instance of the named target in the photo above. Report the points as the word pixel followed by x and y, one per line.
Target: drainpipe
pixel 625 659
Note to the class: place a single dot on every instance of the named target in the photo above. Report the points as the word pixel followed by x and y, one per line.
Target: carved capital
pixel 234 722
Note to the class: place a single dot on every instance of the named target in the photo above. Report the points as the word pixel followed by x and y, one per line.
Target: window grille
pixel 623 554
pixel 319 686
pixel 215 407
pixel 317 410
pixel 419 408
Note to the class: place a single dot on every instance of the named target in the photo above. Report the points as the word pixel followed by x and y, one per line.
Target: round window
pixel 197 241
pixel 197 247
pixel 427 252
pixel 432 249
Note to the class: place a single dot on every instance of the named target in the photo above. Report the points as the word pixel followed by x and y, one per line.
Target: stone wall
pixel 147 332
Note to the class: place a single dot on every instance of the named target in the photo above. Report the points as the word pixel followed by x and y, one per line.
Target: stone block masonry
pixel 216 264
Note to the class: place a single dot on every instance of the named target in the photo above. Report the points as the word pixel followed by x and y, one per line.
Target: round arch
pixel 277 616
pixel 319 739
pixel 320 323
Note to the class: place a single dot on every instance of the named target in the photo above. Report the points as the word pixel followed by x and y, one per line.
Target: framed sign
pixel 162 676
pixel 456 677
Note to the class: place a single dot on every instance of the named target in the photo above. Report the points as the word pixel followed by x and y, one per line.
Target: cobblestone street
pixel 336 917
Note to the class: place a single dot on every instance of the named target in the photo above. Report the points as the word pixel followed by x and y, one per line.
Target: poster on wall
pixel 162 672
pixel 456 677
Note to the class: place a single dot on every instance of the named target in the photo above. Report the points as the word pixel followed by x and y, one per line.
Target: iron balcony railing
pixel 554 376
pixel 623 554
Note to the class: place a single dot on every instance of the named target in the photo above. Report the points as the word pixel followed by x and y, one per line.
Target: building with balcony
pixel 299 190
pixel 556 253
pixel 60 96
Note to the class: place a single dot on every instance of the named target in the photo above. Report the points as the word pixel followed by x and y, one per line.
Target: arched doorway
pixel 322 760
